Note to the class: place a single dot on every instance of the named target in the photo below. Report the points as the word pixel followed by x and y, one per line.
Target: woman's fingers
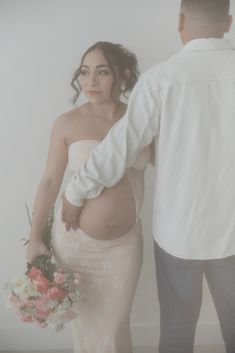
pixel 35 249
pixel 70 222
pixel 45 251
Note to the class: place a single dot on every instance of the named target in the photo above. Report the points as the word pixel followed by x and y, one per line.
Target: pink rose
pixel 59 277
pixel 43 314
pixel 27 318
pixel 40 304
pixel 55 293
pixel 42 324
pixel 42 284
pixel 34 273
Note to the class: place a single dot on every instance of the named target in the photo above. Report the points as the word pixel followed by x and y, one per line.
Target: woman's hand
pixel 70 214
pixel 35 248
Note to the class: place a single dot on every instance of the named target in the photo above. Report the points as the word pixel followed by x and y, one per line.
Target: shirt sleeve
pixel 121 146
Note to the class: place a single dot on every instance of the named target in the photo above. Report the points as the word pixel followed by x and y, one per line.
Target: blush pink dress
pixel 109 269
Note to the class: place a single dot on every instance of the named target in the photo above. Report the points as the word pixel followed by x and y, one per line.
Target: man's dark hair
pixel 210 10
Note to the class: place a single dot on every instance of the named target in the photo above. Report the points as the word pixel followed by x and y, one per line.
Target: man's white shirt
pixel 187 106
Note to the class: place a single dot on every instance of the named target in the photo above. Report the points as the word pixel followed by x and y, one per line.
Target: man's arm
pixel 121 146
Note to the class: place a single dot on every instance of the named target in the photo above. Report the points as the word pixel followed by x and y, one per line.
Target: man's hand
pixel 70 214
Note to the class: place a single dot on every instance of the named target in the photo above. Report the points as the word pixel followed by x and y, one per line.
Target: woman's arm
pixel 48 188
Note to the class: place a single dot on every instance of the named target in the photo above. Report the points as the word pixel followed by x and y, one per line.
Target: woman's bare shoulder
pixel 70 119
pixel 76 114
pixel 71 124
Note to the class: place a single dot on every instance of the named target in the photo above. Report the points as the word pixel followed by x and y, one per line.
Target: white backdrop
pixel 41 43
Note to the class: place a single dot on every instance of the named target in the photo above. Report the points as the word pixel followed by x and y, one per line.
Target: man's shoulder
pixel 191 66
pixel 164 70
pixel 158 67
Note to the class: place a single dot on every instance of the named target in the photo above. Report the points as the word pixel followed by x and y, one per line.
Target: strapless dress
pixel 109 269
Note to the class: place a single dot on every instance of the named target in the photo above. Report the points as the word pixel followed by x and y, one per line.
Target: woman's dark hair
pixel 119 60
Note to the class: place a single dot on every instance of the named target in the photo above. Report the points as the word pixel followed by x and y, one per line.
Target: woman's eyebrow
pixel 102 66
pixel 98 66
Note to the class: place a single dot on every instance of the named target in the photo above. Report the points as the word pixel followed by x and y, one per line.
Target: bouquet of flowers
pixel 45 294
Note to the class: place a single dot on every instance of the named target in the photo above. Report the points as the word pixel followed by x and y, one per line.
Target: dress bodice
pixel 80 151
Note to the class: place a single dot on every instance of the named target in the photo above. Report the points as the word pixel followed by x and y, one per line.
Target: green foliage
pixel 42 262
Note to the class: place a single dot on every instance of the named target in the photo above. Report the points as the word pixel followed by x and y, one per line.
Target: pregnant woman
pixel 107 248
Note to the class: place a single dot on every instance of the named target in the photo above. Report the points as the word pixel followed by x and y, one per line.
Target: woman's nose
pixel 93 79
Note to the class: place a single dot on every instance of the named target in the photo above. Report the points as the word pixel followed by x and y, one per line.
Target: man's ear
pixel 229 23
pixel 181 22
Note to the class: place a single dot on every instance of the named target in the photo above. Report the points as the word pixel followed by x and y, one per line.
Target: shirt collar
pixel 208 44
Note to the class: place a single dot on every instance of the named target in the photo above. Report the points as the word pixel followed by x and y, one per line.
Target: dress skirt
pixel 109 272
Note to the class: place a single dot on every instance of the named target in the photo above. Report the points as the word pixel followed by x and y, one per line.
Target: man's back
pixel 194 205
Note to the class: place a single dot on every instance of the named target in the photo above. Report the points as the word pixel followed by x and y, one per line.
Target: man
pixel 187 106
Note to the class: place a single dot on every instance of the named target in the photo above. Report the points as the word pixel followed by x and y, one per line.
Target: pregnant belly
pixel 111 214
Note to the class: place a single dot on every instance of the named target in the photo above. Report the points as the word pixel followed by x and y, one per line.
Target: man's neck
pixel 188 38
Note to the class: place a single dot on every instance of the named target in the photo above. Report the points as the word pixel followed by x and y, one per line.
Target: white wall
pixel 41 43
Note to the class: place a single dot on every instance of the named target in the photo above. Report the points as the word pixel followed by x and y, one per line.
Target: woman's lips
pixel 93 92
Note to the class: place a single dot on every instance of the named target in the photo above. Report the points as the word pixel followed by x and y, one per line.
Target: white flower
pixel 23 287
pixel 51 304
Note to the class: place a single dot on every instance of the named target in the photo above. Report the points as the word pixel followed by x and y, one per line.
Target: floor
pixel 204 349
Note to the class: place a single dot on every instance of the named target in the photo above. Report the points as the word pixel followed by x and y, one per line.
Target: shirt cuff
pixel 69 195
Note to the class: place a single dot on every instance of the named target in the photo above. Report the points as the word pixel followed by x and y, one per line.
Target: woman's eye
pixel 84 73
pixel 103 72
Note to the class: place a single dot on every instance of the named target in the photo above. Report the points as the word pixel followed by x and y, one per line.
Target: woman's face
pixel 96 78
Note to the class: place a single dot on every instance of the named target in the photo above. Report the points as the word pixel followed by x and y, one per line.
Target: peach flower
pixel 34 273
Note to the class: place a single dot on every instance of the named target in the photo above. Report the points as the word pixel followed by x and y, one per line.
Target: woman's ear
pixel 127 74
pixel 124 80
